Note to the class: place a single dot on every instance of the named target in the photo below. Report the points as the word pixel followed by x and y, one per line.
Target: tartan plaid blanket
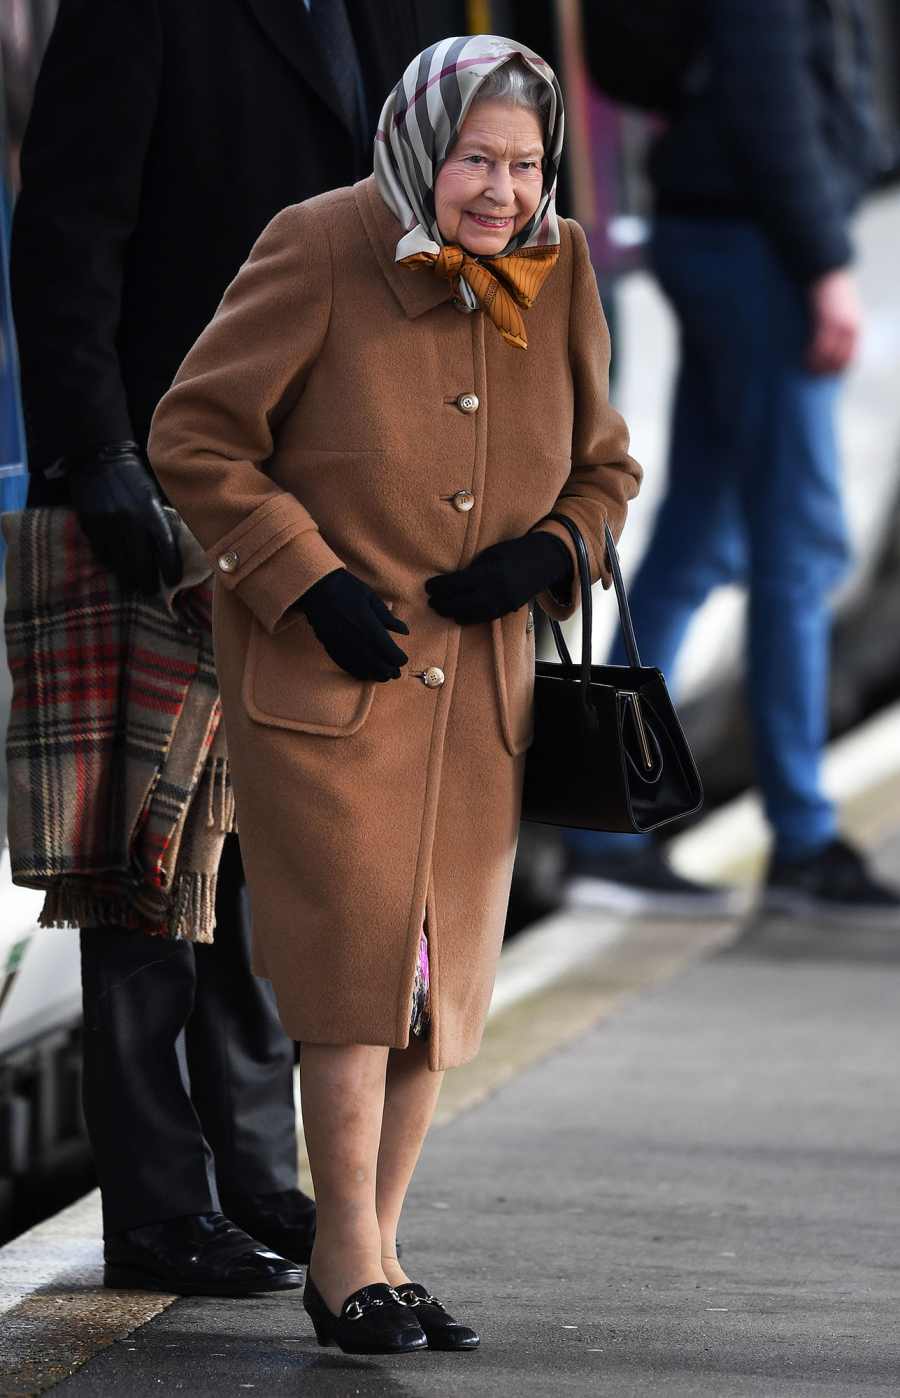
pixel 119 792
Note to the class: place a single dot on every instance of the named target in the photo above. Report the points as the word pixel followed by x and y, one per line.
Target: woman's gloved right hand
pixel 352 623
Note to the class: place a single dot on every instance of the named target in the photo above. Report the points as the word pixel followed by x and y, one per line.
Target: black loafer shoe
pixel 441 1330
pixel 285 1222
pixel 834 884
pixel 373 1320
pixel 198 1255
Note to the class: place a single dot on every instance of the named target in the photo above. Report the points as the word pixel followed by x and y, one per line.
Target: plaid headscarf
pixel 419 123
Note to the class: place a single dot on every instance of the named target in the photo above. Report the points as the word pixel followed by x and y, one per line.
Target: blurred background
pixel 42 1145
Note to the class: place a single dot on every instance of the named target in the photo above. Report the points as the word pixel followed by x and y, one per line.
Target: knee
pixel 799 573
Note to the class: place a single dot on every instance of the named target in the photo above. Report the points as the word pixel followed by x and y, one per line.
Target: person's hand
pixel 836 322
pixel 501 579
pixel 121 512
pixel 352 623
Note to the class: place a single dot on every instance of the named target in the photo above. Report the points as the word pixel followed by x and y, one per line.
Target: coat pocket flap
pixel 290 681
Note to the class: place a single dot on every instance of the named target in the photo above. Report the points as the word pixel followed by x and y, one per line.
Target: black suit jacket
pixel 164 135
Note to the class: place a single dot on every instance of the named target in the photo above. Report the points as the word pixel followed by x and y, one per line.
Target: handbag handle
pixel 587 616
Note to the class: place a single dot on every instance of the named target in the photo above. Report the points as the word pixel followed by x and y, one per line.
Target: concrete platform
pixel 697 1197
pixel 673 1169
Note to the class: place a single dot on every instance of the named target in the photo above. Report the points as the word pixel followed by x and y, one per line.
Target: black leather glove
pixel 501 579
pixel 352 623
pixel 120 510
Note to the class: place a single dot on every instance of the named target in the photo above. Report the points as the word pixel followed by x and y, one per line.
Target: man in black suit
pixel 162 139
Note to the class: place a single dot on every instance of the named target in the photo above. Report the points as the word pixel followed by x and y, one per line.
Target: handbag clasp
pixel 640 726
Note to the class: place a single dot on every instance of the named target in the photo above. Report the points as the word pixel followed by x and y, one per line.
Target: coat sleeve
pixel 604 477
pixel 213 431
pixel 82 170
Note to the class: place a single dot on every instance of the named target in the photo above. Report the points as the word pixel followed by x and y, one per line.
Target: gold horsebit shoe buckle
pixel 356 1310
pixel 416 1300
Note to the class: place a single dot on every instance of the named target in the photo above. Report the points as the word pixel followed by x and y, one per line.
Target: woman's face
pixel 491 182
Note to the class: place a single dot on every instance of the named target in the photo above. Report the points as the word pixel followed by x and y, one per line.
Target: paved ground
pixel 698 1197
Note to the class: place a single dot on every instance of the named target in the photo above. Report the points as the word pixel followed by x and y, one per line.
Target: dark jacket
pixel 781 128
pixel 163 138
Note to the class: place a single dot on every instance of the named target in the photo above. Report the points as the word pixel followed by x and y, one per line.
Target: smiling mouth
pixel 487 221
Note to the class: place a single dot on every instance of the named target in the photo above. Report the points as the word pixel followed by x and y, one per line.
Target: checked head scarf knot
pixel 419 124
pixel 448 263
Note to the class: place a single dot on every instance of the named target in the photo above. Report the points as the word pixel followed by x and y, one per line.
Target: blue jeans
pixel 754 497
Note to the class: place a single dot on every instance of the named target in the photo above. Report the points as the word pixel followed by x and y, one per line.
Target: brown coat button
pixel 463 501
pixel 433 677
pixel 229 561
pixel 467 403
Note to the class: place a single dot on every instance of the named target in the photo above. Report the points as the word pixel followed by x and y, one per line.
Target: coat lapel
pixel 285 23
pixel 416 288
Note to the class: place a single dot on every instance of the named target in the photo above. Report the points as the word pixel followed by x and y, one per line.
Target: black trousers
pixel 161 1149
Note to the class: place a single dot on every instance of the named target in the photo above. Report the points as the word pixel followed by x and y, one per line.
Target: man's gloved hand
pixel 120 510
pixel 352 623
pixel 501 579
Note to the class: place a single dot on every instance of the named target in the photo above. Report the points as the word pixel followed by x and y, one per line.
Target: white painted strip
pixel 69 1242
pixel 549 950
pixel 864 758
pixel 707 852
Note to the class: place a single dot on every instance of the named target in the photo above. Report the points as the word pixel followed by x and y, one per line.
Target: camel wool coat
pixel 340 411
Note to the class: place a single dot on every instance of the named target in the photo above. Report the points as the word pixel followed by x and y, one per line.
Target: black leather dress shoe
pixel 373 1320
pixel 441 1330
pixel 197 1255
pixel 285 1222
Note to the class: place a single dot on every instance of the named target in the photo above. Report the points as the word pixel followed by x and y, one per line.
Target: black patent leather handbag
pixel 608 752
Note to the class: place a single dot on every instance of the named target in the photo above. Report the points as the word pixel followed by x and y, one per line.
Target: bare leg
pixel 343 1094
pixel 410 1098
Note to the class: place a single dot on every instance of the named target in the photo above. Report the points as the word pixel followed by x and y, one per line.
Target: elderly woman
pixel 404 380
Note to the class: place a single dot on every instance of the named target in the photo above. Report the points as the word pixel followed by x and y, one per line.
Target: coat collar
pixel 285 24
pixel 416 288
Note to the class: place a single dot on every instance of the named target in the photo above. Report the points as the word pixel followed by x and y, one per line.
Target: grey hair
pixel 517 84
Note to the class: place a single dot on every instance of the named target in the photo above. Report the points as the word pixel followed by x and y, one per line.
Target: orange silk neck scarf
pixel 500 285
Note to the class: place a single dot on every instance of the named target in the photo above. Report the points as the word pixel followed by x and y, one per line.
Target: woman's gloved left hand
pixel 502 578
